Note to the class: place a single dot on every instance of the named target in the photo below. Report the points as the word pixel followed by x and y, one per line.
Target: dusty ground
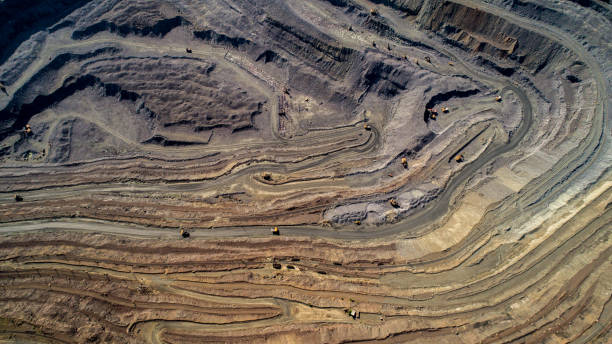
pixel 123 122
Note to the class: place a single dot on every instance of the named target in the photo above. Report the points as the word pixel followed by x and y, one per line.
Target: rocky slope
pixel 440 167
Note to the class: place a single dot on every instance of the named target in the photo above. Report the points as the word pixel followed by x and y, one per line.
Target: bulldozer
pixel 367 127
pixel 28 129
pixel 498 99
pixel 405 162
pixel 189 51
pixel 393 203
pixel 373 11
pixel 459 158
pixel 275 231
pixel 184 234
pixel 444 109
pixel 18 198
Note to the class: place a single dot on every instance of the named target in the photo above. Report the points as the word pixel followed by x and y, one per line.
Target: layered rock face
pixel 439 171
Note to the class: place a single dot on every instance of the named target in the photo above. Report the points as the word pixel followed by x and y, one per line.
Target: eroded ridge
pixel 439 172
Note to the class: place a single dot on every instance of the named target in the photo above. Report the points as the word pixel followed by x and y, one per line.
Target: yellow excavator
pixel 433 113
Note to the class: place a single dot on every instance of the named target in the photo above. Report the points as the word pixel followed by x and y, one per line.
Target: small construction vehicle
pixel 189 51
pixel 357 222
pixel 393 203
pixel 459 158
pixel 367 127
pixel 450 63
pixel 275 231
pixel 373 11
pixel 433 113
pixel 405 162
pixel 18 198
pixel 498 99
pixel 427 59
pixel 444 109
pixel 28 129
pixel 184 234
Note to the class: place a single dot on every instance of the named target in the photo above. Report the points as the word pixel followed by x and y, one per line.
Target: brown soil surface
pixel 125 124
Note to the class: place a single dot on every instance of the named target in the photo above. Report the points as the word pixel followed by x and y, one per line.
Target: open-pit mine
pixel 305 171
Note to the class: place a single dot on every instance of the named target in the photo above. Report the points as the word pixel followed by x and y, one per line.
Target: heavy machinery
pixel 428 59
pixel 405 162
pixel 275 231
pixel 459 158
pixel 18 198
pixel 184 234
pixel 433 113
pixel 352 313
pixel 444 109
pixel 498 99
pixel 189 51
pixel 367 127
pixel 373 11
pixel 28 129
pixel 393 203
